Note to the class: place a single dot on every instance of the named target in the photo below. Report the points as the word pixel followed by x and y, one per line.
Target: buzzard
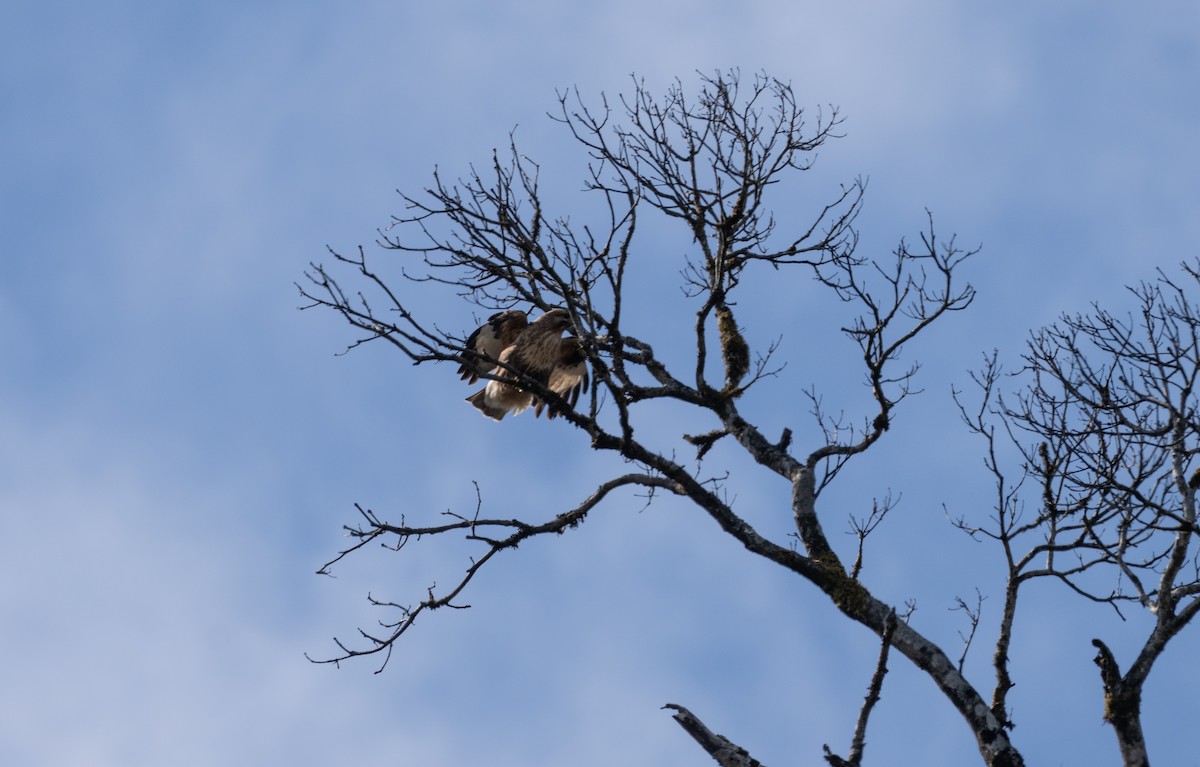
pixel 508 347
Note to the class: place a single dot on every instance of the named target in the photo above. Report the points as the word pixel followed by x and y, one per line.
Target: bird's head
pixel 556 319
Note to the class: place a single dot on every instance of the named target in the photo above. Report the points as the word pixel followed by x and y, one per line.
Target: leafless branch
pixel 874 690
pixel 1106 431
pixel 495 534
pixel 861 528
pixel 721 749
pixel 972 614
pixel 707 164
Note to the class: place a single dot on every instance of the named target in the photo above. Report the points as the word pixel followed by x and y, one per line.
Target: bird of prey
pixel 485 345
pixel 510 348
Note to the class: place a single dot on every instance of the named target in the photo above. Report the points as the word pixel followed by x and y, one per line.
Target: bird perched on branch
pixel 519 354
pixel 485 345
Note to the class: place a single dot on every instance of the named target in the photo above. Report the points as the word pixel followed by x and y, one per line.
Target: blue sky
pixel 181 446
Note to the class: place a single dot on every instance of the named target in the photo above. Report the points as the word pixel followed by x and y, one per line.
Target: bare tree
pixel 1111 442
pixel 1107 430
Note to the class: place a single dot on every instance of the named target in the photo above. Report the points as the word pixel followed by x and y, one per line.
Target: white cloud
pixel 180 448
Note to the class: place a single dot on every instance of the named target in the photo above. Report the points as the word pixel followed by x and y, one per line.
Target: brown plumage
pixel 537 351
pixel 485 345
pixel 568 379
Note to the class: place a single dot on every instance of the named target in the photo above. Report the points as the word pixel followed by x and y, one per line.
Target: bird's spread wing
pixel 569 377
pixel 488 342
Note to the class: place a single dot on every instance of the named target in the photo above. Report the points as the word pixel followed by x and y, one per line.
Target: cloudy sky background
pixel 179 447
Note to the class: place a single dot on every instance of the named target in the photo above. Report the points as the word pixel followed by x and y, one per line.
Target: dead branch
pixel 721 749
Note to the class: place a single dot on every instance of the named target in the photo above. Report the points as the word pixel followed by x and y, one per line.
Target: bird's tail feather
pixel 480 401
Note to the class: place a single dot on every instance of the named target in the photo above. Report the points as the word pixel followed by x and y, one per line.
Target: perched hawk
pixel 508 346
pixel 485 345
